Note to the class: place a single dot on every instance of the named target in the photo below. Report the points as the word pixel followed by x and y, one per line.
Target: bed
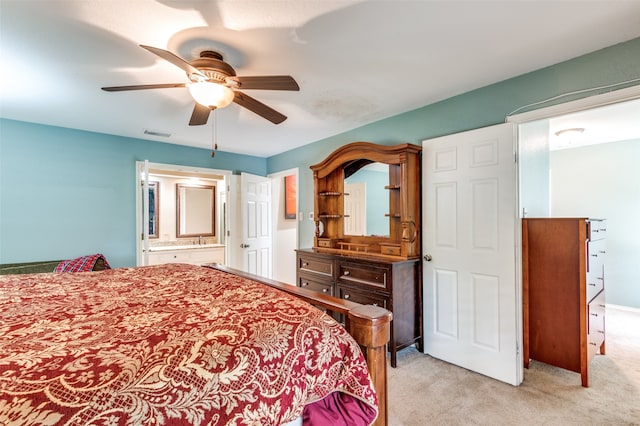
pixel 181 344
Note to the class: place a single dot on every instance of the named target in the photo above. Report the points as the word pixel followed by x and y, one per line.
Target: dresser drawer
pixel 595 317
pixel 316 265
pixel 597 229
pixel 362 297
pixel 596 252
pixel 315 285
pixel 363 274
pixel 595 284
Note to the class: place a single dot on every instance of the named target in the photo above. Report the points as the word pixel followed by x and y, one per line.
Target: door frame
pixel 277 203
pixel 170 168
pixel 590 102
pixel 587 103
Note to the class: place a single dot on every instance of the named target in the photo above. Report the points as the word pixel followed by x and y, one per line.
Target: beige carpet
pixel 427 391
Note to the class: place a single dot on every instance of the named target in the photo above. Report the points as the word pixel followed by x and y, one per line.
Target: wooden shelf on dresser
pixel 393 285
pixel 563 289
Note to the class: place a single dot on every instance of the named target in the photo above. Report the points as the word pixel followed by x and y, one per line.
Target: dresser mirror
pixel 366 200
pixel 195 210
pixel 386 219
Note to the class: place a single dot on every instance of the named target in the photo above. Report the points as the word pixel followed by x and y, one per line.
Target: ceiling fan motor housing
pixel 210 63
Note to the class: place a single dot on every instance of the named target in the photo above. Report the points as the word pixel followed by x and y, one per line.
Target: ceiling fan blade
pixel 258 107
pixel 200 115
pixel 267 82
pixel 142 87
pixel 175 60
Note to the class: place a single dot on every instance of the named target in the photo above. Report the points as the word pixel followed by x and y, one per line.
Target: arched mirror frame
pixel 404 200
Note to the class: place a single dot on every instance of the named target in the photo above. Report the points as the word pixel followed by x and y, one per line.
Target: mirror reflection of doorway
pixel 355 208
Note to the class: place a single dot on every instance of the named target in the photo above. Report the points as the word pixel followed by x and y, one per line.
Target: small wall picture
pixel 290 197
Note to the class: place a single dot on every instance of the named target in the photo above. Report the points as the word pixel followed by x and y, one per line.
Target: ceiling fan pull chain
pixel 214 133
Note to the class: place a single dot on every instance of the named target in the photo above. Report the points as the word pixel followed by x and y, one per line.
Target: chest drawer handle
pixel 591 343
pixel 594 315
pixel 305 284
pixel 324 290
pixel 592 284
pixel 346 296
pixel 305 264
pixel 594 255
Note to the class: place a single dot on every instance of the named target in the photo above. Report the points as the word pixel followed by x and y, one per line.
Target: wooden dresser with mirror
pixel 367 238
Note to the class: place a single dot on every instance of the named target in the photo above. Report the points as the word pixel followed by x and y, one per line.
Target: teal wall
pixel 66 193
pixel 479 108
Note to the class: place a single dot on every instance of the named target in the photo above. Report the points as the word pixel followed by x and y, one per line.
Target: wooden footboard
pixel 369 325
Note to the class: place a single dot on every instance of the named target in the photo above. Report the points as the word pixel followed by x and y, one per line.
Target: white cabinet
pixel 194 256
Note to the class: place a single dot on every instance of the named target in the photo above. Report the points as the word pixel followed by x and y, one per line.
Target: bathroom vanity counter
pixel 195 254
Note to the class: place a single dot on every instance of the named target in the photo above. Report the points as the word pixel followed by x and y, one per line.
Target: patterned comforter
pixel 170 345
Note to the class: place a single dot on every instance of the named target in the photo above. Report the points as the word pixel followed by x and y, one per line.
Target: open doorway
pixel 286 217
pixel 185 219
pixel 585 164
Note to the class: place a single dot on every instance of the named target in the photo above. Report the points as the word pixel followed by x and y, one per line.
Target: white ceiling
pixel 356 61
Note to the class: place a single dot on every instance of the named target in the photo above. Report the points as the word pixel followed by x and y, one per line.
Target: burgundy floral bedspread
pixel 168 345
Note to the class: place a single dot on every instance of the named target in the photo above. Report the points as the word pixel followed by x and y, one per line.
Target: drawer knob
pixel 305 264
pixel 594 315
pixel 591 343
pixel 592 284
pixel 324 290
pixel 305 284
pixel 345 272
pixel 594 255
pixel 346 296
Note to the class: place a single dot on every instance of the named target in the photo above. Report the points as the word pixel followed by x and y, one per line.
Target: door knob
pixel 244 245
pixel 427 257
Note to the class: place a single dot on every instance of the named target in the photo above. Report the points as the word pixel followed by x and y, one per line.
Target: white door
pixel 472 299
pixel 355 212
pixel 256 224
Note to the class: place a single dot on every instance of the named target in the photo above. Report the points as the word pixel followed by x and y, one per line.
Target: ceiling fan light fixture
pixel 570 133
pixel 211 94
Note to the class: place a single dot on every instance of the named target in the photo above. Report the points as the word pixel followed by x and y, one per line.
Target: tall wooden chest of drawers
pixel 563 291
pixel 393 285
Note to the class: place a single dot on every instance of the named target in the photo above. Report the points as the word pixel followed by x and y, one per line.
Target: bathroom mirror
pixel 195 210
pixel 366 201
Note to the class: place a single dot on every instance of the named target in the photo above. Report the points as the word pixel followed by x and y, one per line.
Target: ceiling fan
pixel 214 84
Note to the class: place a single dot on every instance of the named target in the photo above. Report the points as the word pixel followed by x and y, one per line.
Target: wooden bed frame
pixel 369 325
